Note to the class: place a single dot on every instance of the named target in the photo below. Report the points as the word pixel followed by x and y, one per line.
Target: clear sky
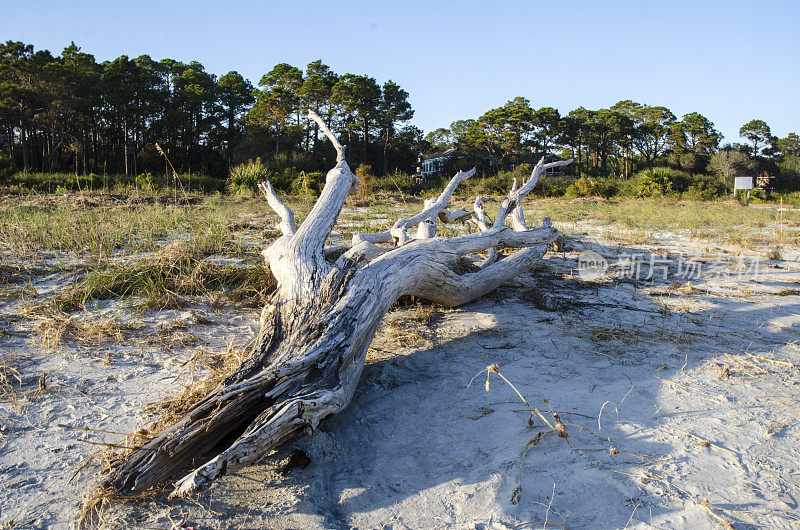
pixel 731 61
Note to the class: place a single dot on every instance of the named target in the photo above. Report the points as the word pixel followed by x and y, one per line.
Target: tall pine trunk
pixel 125 143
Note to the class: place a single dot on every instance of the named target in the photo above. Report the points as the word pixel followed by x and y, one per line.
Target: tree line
pixel 615 141
pixel 71 113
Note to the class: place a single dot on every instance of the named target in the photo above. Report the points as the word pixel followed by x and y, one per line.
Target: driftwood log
pixel 318 325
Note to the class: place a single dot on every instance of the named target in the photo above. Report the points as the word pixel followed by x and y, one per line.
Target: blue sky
pixel 731 61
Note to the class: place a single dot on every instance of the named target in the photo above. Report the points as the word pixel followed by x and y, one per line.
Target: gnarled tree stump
pixel 318 325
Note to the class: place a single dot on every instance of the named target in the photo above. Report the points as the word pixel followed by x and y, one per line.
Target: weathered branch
pixel 299 263
pixel 286 225
pixel 362 252
pixel 515 196
pixel 480 214
pixel 517 215
pixel 426 229
pixel 375 237
pixel 322 217
pixel 476 242
pixel 318 325
pixel 324 127
pixel 454 216
pixel 425 268
pixel 450 289
pixel 429 213
pixel 479 219
pixel 433 207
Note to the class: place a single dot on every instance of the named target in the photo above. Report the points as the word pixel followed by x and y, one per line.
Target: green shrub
pixel 204 183
pixel 68 182
pixel 59 182
pixel 147 181
pixel 307 183
pixel 790 168
pixel 654 183
pixel 501 183
pixel 498 184
pixel 293 161
pixel 591 187
pixel 364 174
pixel 90 181
pixel 583 187
pixel 397 182
pixel 248 176
pixel 706 188
pixel 284 179
pixel 792 198
pixel 657 182
pixel 552 186
pixel 7 168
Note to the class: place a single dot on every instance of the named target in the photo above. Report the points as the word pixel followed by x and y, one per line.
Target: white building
pixel 435 164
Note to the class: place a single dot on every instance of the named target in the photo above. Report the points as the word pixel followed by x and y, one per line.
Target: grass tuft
pixel 58 327
pixel 749 365
pixel 775 254
pixel 162 282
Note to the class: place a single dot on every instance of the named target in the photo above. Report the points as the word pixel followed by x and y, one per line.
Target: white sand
pixel 417 448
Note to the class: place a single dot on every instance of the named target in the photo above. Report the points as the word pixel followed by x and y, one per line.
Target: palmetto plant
pixel 247 176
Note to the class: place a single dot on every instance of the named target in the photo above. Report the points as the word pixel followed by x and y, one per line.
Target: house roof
pixel 446 154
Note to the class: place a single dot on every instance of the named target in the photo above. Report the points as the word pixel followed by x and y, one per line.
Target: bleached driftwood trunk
pixel 318 325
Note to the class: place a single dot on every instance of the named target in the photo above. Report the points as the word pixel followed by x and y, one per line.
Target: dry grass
pixel 18 292
pixel 10 378
pixel 409 337
pixel 638 334
pixel 57 328
pixel 98 226
pixel 417 330
pixel 686 288
pixel 92 510
pixel 12 383
pixel 605 333
pixel 410 324
pixel 702 220
pixel 176 270
pixel 173 335
pixel 629 236
pixel 775 254
pixel 676 297
pixel 218 365
pixel 710 509
pixel 555 425
pixel 749 365
pixel 90 514
pixel 544 300
pixel 426 313
pixel 176 339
